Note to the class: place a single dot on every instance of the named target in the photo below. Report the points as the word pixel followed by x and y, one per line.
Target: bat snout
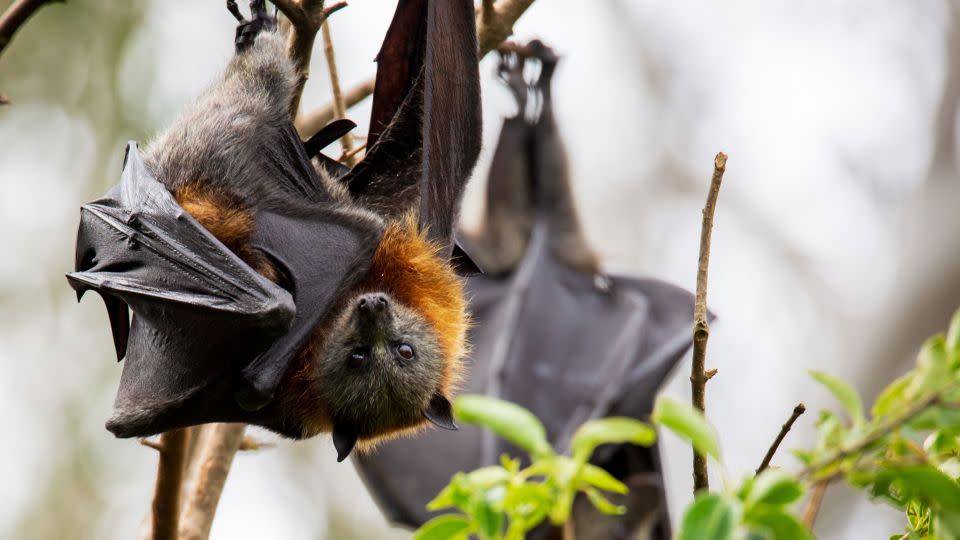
pixel 373 303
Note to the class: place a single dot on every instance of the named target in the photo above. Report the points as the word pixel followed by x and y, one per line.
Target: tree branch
pixel 11 21
pixel 310 123
pixel 217 446
pixel 797 411
pixel 14 17
pixel 339 107
pixel 874 436
pixel 494 24
pixel 813 505
pixel 701 330
pixel 166 496
pixel 306 17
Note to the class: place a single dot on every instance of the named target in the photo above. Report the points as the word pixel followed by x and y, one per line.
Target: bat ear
pixel 344 439
pixel 440 413
pixel 462 263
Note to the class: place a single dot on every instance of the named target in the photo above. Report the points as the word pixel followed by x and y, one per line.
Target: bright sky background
pixel 825 109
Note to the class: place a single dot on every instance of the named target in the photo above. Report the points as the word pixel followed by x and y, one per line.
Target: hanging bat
pixel 293 294
pixel 551 331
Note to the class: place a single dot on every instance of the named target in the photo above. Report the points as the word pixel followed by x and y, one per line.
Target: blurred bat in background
pixel 294 294
pixel 551 331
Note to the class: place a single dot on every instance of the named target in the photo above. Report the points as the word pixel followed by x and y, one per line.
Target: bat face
pixel 380 366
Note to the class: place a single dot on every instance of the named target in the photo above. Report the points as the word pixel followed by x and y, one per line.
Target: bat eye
pixel 405 350
pixel 357 358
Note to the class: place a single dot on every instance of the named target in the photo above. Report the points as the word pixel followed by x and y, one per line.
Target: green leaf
pixel 526 505
pixel 688 423
pixel 607 431
pixel 844 393
pixel 600 478
pixel 933 372
pixel 953 334
pixel 774 486
pixel 779 523
pixel 893 398
pixel 528 500
pixel 486 477
pixel 710 517
pixel 603 505
pixel 943 441
pixel 508 420
pixel 444 527
pixel 488 520
pixel 456 494
pixel 830 430
pixel 924 483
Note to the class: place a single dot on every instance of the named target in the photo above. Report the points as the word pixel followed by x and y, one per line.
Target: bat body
pixel 292 294
pixel 551 332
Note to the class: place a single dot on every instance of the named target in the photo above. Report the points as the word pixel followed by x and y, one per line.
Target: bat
pixel 271 285
pixel 551 331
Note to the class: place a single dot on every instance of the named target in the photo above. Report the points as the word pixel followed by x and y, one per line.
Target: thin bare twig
pixel 310 123
pixel 151 444
pixel 797 411
pixel 874 437
pixel 217 447
pixel 353 153
pixel 251 444
pixel 494 24
pixel 306 17
pixel 701 330
pixel 11 21
pixel 813 505
pixel 339 107
pixel 14 17
pixel 166 495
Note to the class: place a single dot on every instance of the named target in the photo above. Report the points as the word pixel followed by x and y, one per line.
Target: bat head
pixel 381 370
pixel 390 355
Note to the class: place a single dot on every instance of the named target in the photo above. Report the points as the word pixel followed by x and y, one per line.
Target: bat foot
pixel 247 31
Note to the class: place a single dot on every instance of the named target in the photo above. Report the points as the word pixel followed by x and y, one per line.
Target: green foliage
pixel 688 423
pixel 759 509
pixel 509 421
pixel 505 501
pixel 906 453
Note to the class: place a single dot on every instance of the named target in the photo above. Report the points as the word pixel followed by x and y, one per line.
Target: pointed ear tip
pixel 341 457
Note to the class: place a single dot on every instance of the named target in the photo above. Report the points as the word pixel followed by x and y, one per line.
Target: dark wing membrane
pixel 323 252
pixel 424 134
pixel 287 165
pixel 197 307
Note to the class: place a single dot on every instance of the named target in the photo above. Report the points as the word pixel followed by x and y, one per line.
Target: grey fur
pixel 218 141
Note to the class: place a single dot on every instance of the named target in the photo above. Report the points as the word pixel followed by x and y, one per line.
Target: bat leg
pixel 235 11
pixel 260 20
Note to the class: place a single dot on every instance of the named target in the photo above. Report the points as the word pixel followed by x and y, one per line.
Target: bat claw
pixel 235 11
pixel 247 31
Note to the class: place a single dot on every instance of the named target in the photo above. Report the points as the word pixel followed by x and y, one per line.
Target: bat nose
pixel 372 303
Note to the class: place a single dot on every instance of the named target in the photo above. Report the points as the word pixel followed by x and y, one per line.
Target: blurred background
pixel 835 245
